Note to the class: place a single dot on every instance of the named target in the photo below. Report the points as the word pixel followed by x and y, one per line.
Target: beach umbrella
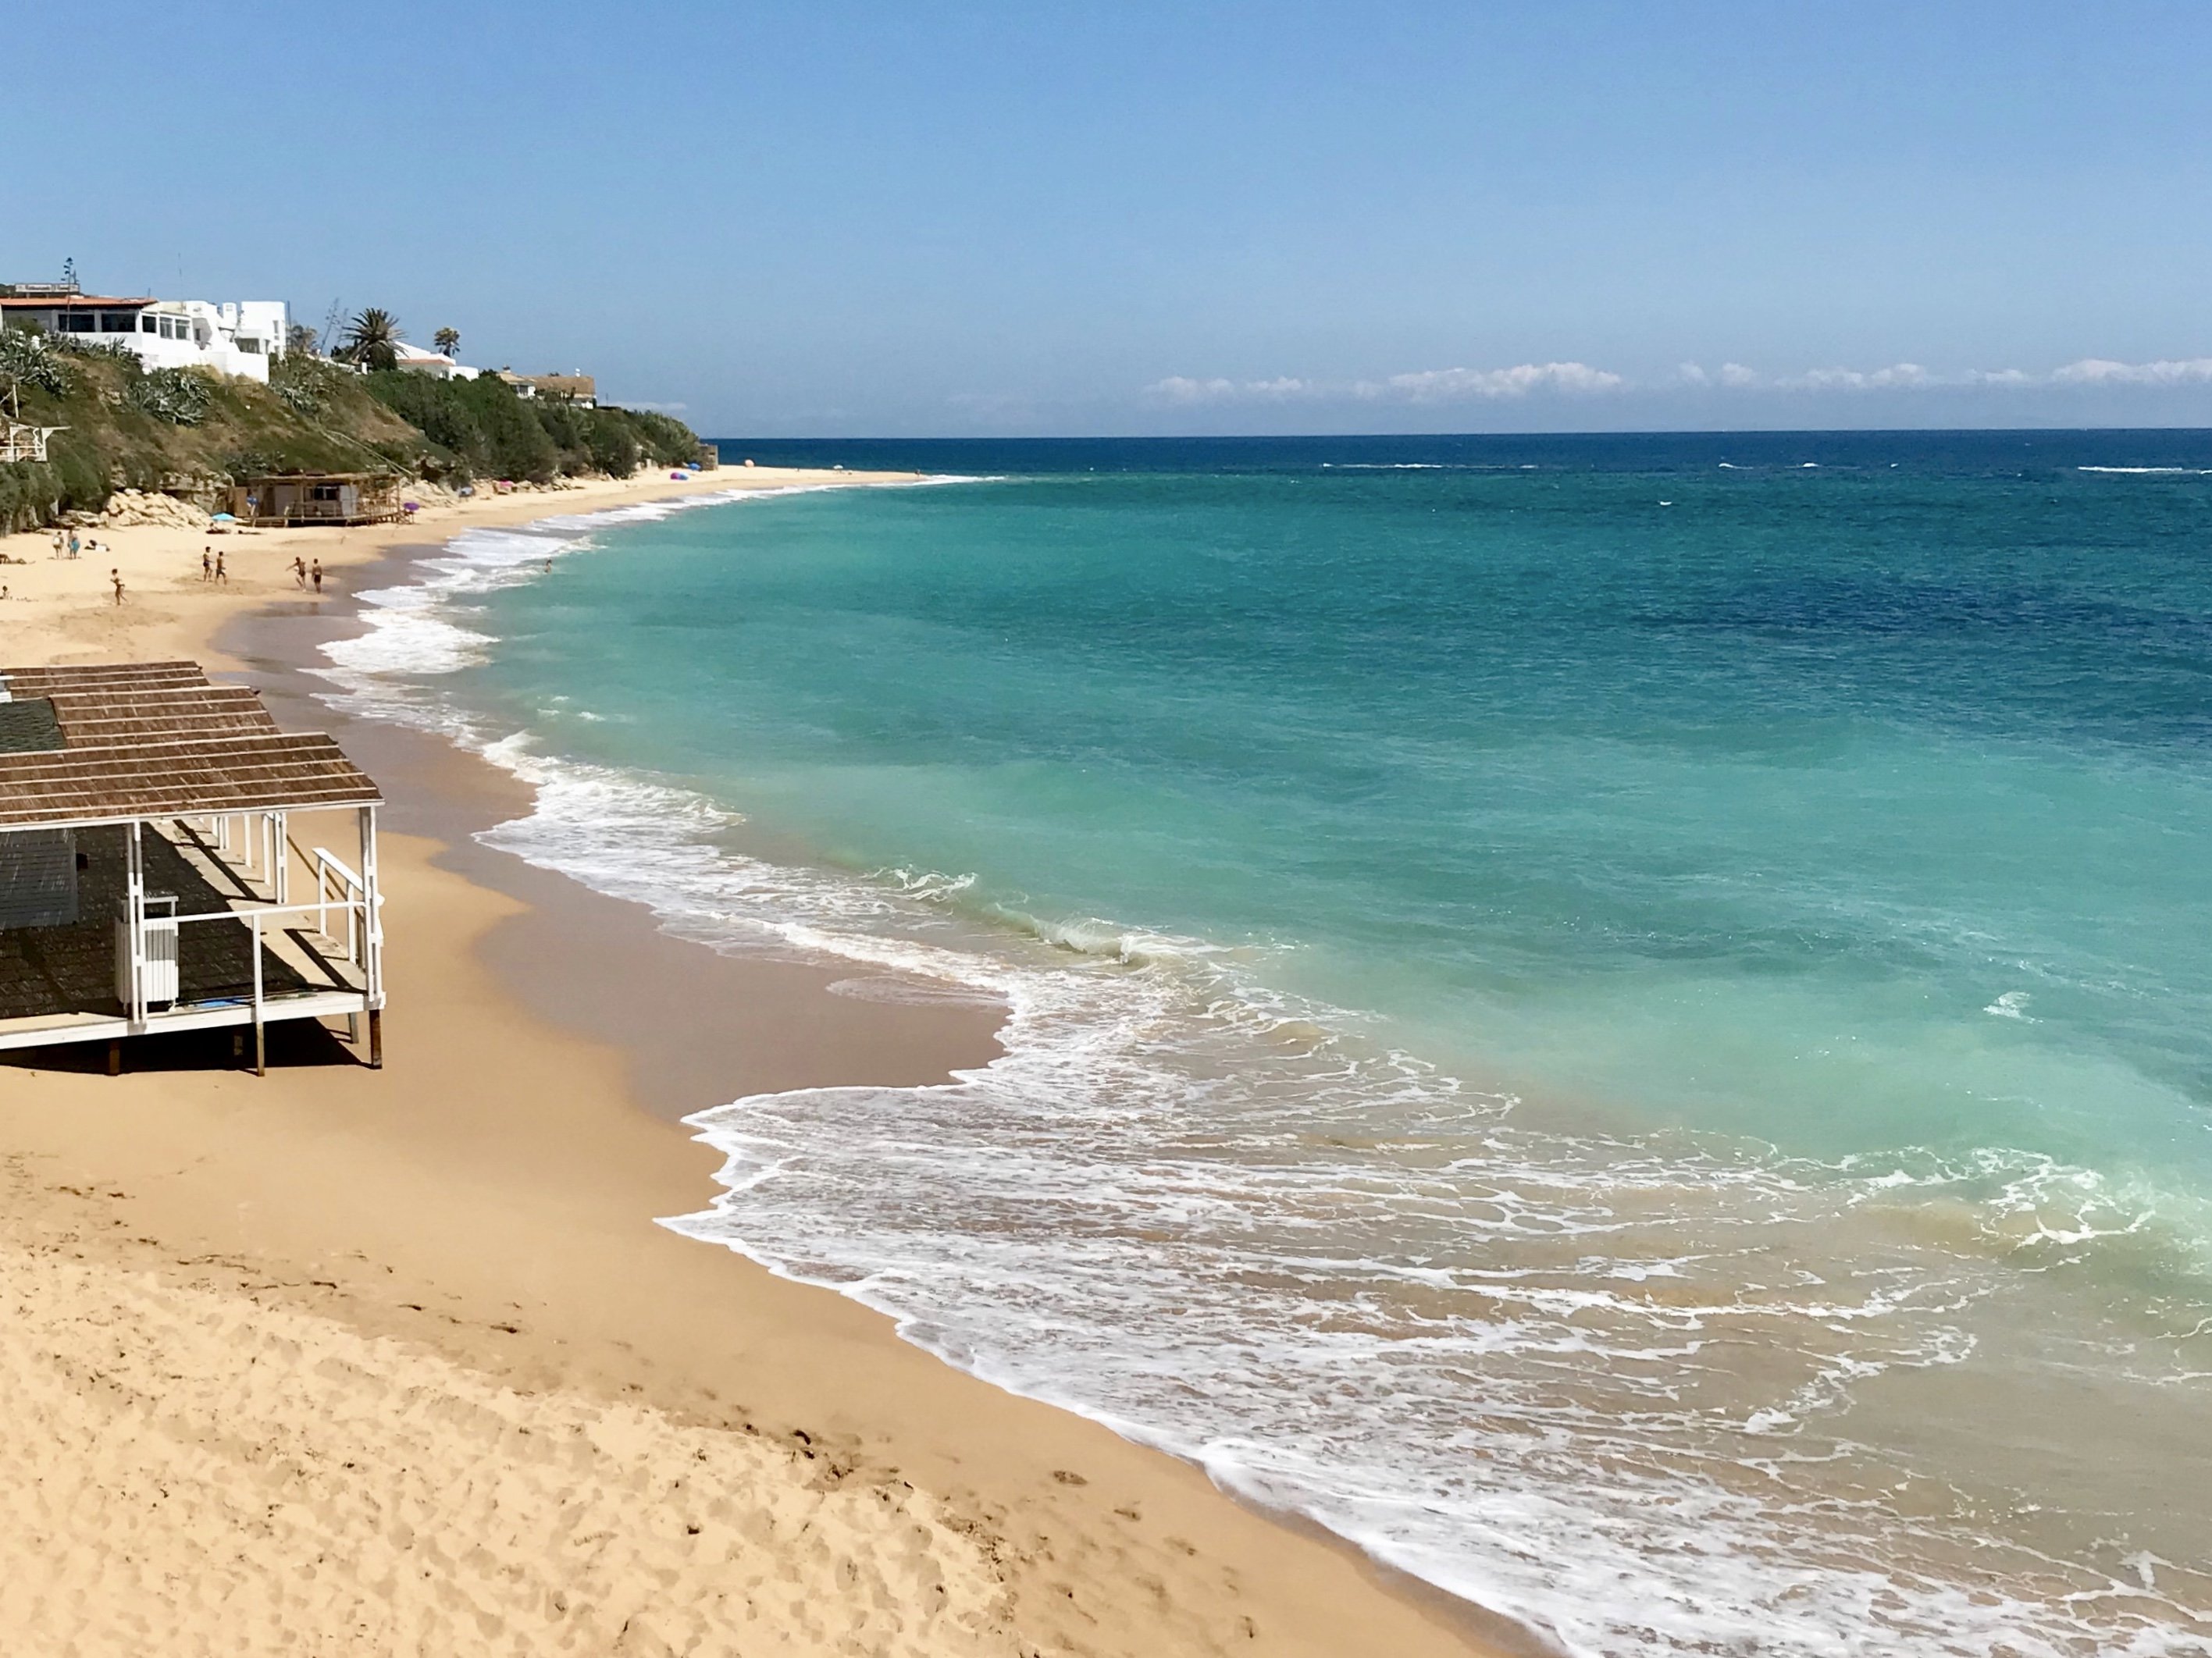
pixel 222 518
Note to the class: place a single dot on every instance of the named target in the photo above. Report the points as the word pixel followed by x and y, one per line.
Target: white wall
pixel 239 337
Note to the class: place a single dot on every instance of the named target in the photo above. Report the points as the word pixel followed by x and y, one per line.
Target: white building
pixel 436 364
pixel 238 337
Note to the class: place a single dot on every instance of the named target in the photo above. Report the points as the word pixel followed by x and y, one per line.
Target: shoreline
pixel 518 1143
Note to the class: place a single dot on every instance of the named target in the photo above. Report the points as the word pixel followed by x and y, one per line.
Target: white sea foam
pixel 1599 1385
pixel 2151 472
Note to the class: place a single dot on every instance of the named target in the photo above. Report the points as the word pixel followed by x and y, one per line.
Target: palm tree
pixel 447 340
pixel 371 338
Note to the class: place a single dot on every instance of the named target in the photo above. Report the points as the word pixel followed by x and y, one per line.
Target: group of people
pixel 71 548
pixel 305 575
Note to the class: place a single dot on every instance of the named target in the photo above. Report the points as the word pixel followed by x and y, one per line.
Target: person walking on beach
pixel 207 565
pixel 116 576
pixel 221 576
pixel 72 543
pixel 316 576
pixel 58 548
pixel 299 571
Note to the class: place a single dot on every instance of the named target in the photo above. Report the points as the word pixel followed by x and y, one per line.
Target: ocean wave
pixel 1601 1385
pixel 2151 472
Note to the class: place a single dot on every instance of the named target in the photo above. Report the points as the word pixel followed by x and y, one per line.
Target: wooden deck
pixel 57 983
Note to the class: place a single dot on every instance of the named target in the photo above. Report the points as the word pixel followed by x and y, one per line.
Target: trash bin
pixel 160 943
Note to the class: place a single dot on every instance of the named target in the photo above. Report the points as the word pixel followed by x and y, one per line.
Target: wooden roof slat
pixel 156 739
pixel 44 682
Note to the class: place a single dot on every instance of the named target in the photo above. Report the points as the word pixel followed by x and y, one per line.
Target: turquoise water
pixel 1553 981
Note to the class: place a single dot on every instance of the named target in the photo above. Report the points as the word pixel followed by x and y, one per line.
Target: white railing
pixel 352 891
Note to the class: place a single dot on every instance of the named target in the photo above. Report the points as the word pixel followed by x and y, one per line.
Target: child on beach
pixel 219 574
pixel 317 574
pixel 116 576
pixel 300 572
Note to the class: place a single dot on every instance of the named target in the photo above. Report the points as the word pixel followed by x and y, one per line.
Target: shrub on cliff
pixel 178 395
pixel 27 358
pixel 491 432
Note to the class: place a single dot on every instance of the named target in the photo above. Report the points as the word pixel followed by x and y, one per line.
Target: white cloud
pixel 1448 386
pixel 1734 375
pixel 2100 371
pixel 1898 374
pixel 1910 376
pixel 1178 388
pixel 1460 384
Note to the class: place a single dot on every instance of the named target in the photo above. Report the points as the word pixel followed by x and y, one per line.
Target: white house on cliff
pixel 241 337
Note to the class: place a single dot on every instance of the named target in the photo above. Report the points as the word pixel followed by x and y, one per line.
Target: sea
pixel 1623 1022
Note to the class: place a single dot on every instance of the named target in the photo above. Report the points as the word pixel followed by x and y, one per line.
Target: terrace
pixel 157 848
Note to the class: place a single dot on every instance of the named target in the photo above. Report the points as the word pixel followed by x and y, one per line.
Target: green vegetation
pixel 191 433
pixel 481 428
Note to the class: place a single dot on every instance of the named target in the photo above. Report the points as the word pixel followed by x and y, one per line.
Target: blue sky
pixel 846 220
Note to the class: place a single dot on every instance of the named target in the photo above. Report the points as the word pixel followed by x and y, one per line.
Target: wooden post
pixel 260 1041
pixel 115 1056
pixel 372 924
pixel 376 1039
pixel 134 925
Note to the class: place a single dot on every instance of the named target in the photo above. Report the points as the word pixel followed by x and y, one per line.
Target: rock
pixel 129 507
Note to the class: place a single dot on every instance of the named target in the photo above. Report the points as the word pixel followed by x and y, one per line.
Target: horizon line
pixel 1402 437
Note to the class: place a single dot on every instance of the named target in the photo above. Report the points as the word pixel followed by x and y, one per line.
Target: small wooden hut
pixel 282 499
pixel 157 845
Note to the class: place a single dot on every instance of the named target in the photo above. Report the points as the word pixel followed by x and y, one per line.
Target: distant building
pixel 567 388
pixel 238 337
pixel 287 500
pixel 436 364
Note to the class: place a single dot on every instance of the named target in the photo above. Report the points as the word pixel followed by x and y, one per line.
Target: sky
pixel 842 219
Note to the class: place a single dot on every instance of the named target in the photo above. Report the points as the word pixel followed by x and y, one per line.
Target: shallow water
pixel 1622 1021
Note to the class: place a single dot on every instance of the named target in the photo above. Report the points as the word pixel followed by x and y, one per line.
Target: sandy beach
pixel 348 1361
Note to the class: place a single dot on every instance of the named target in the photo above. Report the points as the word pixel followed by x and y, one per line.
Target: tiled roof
pixel 72 302
pixel 27 726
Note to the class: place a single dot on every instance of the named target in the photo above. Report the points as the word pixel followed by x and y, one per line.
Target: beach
pixel 398 1361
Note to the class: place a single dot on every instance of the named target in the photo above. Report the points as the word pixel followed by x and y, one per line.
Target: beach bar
pixel 159 869
pixel 287 500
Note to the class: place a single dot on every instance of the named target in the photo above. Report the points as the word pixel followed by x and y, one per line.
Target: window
pixel 251 347
pixel 74 322
pixel 145 322
pixel 118 322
